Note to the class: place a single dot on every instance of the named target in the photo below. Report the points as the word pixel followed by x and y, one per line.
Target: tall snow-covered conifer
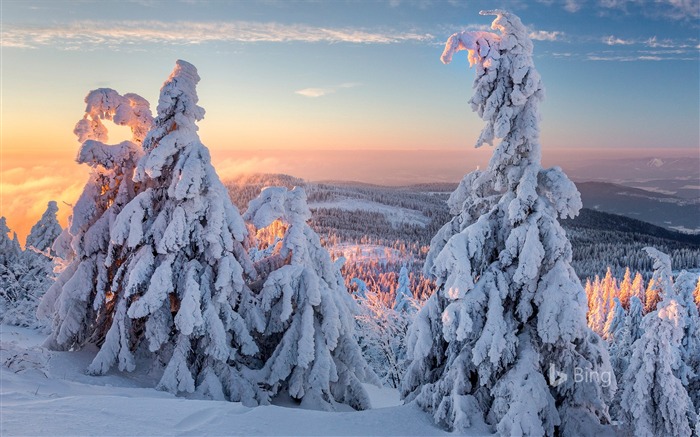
pixel 509 307
pixel 80 301
pixel 46 230
pixel 307 327
pixel 182 287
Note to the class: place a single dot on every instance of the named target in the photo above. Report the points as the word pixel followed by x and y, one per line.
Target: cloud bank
pixel 92 34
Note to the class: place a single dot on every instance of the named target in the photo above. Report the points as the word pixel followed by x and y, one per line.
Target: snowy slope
pixel 46 393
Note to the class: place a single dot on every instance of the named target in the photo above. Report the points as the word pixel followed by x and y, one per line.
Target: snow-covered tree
pixel 46 230
pixel 404 297
pixel 81 302
pixel 307 331
pixel 10 249
pixel 615 323
pixel 178 287
pixel 360 287
pixel 610 290
pixel 652 296
pixel 654 400
pixel 597 314
pixel 638 288
pixel 626 289
pixel 382 335
pixel 683 289
pixel 11 270
pixel 509 306
pixel 26 275
pixel 634 319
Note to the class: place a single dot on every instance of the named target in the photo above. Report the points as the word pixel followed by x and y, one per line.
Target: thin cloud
pixel 314 92
pixel 543 35
pixel 93 34
pixel 573 5
pixel 671 9
pixel 319 92
pixel 633 58
pixel 614 41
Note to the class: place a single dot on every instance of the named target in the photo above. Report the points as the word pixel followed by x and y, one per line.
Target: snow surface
pixel 44 392
pixel 395 215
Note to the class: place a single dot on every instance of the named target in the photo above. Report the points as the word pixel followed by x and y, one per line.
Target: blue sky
pixel 618 73
pixel 354 75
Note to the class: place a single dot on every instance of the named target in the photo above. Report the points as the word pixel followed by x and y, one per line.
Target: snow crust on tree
pixel 654 400
pixel 307 329
pixel 80 301
pixel 179 290
pixel 509 305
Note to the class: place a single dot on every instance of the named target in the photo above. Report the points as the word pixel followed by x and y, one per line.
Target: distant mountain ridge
pixel 658 208
pixel 592 219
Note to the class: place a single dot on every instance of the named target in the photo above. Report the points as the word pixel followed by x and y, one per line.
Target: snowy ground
pixel 47 393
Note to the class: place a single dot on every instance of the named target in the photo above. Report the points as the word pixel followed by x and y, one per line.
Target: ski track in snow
pixel 55 397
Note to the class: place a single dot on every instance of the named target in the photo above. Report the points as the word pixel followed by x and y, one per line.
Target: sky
pixel 348 90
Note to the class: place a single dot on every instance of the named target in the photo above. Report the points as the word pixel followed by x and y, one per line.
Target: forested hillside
pixel 406 218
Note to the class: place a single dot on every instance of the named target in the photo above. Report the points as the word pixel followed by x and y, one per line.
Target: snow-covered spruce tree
pixel 81 302
pixel 615 323
pixel 307 331
pixel 12 270
pixel 638 288
pixel 403 300
pixel 626 289
pixel 684 287
pixel 618 338
pixel 654 400
pixel 596 313
pixel 509 307
pixel 46 230
pixel 382 334
pixel 32 272
pixel 178 286
pixel 10 249
pixel 634 318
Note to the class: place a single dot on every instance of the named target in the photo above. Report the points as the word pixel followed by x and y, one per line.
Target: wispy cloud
pixel 640 57
pixel 673 9
pixel 543 35
pixel 573 5
pixel 612 40
pixel 319 92
pixel 93 34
